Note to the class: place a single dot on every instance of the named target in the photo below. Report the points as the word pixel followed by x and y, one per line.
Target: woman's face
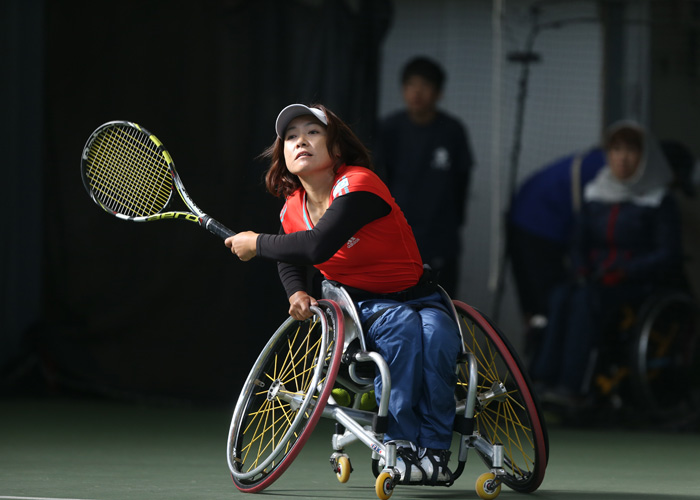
pixel 305 150
pixel 623 160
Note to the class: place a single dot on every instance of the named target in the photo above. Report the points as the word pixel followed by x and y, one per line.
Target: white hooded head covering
pixel 647 186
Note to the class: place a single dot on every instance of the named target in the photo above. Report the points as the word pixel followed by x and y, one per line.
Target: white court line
pixel 38 498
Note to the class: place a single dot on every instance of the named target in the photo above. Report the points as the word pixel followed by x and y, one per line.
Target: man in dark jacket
pixel 425 159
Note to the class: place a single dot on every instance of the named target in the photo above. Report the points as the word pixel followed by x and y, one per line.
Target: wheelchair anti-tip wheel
pixel 487 487
pixel 384 486
pixel 506 410
pixel 284 396
pixel 343 469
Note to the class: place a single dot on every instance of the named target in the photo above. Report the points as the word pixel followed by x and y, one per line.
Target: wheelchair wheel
pixel 665 373
pixel 506 412
pixel 284 396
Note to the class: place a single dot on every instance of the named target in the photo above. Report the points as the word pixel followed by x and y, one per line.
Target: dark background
pixel 158 311
pixel 162 311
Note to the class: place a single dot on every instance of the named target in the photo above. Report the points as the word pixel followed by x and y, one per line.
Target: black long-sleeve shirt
pixel 343 218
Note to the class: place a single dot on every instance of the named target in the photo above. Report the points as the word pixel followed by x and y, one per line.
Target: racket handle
pixel 217 228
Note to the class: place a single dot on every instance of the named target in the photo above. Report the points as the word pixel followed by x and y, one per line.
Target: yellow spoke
pixel 291 363
pixel 304 373
pixel 246 449
pixel 512 399
pixel 491 370
pixel 301 370
pixel 306 369
pixel 501 432
pixel 504 419
pixel 293 380
pixel 271 443
pixel 289 356
pixel 311 354
pixel 291 367
pixel 517 442
pixel 262 434
pixel 271 429
pixel 296 371
pixel 264 408
pixel 663 341
pixel 485 361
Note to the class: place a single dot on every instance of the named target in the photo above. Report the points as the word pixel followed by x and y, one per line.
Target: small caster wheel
pixel 384 486
pixel 343 469
pixel 487 487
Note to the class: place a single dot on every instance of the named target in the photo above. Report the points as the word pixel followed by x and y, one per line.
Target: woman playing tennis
pixel 341 218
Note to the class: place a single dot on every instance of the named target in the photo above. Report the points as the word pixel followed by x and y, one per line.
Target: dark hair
pixel 631 136
pixel 426 68
pixel 339 137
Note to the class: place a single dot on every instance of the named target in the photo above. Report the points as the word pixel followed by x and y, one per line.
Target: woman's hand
pixel 300 305
pixel 243 245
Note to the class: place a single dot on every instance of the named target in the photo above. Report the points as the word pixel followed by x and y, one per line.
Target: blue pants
pixel 578 317
pixel 420 341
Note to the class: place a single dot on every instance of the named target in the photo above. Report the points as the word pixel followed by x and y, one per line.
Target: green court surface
pixel 107 450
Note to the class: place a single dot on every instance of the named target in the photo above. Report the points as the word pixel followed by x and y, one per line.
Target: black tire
pixel 665 355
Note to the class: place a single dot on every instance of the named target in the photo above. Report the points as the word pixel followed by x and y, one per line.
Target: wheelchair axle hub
pixel 497 392
pixel 274 389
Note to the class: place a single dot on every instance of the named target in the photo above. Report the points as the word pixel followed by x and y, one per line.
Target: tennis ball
pixel 368 401
pixel 341 396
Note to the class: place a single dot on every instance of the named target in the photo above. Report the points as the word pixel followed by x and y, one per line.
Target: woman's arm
pixel 293 277
pixel 346 215
pixel 344 218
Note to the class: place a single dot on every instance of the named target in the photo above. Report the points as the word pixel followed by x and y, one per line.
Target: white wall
pixel 563 111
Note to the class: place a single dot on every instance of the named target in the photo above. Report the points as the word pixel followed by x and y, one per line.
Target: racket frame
pixel 195 214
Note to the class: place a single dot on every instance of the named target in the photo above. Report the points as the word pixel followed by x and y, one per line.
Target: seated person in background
pixel 627 242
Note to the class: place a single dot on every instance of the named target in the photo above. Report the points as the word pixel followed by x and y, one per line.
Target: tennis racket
pixel 128 172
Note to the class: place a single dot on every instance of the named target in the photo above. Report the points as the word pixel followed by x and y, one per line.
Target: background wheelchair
pixel 650 361
pixel 289 389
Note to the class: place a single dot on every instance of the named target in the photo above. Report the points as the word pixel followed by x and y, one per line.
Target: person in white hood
pixel 627 243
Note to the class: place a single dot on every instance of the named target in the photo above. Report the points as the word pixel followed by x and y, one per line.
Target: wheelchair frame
pixel 653 366
pixel 289 389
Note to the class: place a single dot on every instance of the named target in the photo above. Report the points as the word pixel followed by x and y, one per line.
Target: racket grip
pixel 217 228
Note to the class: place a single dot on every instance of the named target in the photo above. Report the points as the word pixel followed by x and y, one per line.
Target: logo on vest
pixel 441 159
pixel 341 187
pixel 352 242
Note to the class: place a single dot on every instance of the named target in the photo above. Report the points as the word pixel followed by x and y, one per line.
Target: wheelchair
pixel 650 362
pixel 290 388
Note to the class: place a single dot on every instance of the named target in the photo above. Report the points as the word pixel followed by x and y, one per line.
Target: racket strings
pixel 128 185
pixel 128 173
pixel 139 179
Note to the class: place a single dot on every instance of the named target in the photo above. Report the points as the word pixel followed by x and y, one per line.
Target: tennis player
pixel 341 218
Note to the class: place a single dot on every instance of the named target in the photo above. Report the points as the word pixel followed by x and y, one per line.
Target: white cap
pixel 291 112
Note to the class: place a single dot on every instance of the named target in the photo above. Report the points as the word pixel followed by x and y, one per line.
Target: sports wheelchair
pixel 289 389
pixel 650 361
